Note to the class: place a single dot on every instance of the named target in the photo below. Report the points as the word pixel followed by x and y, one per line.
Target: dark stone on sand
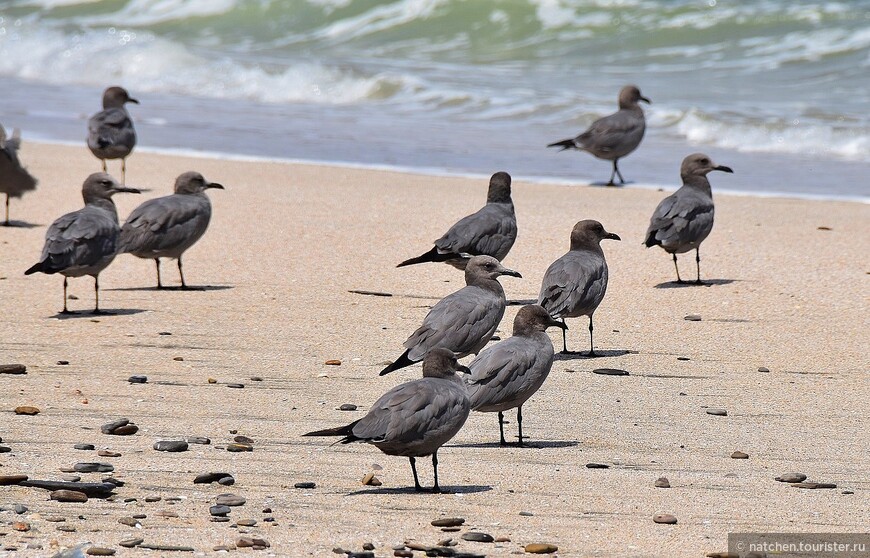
pixel 120 427
pixel 243 439
pixel 526 514
pixel 763 369
pixel 12 479
pixel 252 542
pixel 63 363
pixel 129 521
pixel 166 547
pixel 739 455
pixel 236 386
pixel 5 449
pixel 138 379
pixel 477 536
pixel 220 519
pixel 100 551
pixel 13 369
pixel 92 489
pixel 219 510
pixel 107 453
pixel 131 543
pixel 683 358
pixel 792 477
pixel 717 412
pixel 208 478
pixel 610 372
pixel 541 548
pixel 304 485
pixel 693 318
pixel 236 448
pixel 153 498
pixel 448 522
pixel 347 407
pixel 69 496
pixel 19 508
pixel 665 518
pixel 662 482
pixel 93 468
pixel 597 466
pixel 85 447
pixel 366 554
pixel 246 522
pixel 26 410
pixel 814 485
pixel 227 481
pixel 201 440
pixel 230 500
pixel 171 445
pixel 403 553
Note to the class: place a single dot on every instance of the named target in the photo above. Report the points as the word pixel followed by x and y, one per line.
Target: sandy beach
pixel 288 242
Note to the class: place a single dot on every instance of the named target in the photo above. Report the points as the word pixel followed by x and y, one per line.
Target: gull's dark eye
pixel 705 161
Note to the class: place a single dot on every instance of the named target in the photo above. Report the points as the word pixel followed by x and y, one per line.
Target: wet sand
pixel 286 245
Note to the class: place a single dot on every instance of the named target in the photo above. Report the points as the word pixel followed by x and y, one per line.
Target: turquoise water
pixel 466 86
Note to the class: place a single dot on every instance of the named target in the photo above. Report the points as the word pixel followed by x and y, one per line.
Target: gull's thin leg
pixel 105 168
pixel 564 337
pixel 591 345
pixel 181 274
pixel 698 263
pixel 7 210
pixel 124 171
pixel 616 170
pixel 520 424
pixel 502 441
pixel 677 268
pixel 157 262
pixel 64 311
pixel 612 174
pixel 417 486
pixel 436 489
pixel 96 294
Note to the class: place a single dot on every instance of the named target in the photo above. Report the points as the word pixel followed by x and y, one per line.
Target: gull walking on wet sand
pixel 110 132
pixel 416 418
pixel 684 219
pixel 491 231
pixel 14 178
pixel 166 227
pixel 614 136
pixel 574 285
pixel 507 374
pixel 464 321
pixel 84 242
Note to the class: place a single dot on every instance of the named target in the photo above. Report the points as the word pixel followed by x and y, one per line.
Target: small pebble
pixel 763 369
pixel 207 478
pixel 138 379
pixel 19 508
pixel 239 447
pixel 13 369
pixel 85 447
pixel 476 536
pixel 120 427
pixel 131 543
pixel 100 551
pixel 153 498
pixel 610 372
pixel 220 519
pixel 5 449
pixel 256 379
pixel 304 485
pixel 66 528
pixel 26 410
pixel 814 485
pixel 541 548
pixel 12 479
pixel 178 359
pixel 227 481
pixel 22 526
pixel 448 522
pixel 371 480
pixel 502 539
pixel 662 482
pixel 230 500
pixel 62 362
pixel 526 514
pixel 739 455
pixel 683 358
pixel 93 468
pixel 597 466
pixel 347 407
pixel 665 518
pixel 107 453
pixel 693 318
pixel 251 542
pixel 129 522
pixel 236 386
pixel 246 522
pixel 219 510
pixel 717 412
pixel 333 362
pixel 171 445
pixel 403 553
pixel 201 440
pixel 168 547
pixel 243 439
pixel 792 477
pixel 69 496
pixel 211 381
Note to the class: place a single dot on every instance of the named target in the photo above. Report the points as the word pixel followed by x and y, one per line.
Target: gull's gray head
pixel 533 318
pixel 499 188
pixel 193 183
pixel 442 363
pixel 116 97
pixel 102 186
pixel 486 267
pixel 698 164
pixel 630 95
pixel 589 233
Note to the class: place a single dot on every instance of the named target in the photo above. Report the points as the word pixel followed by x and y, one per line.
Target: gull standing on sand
pixel 615 136
pixel 491 231
pixel 166 227
pixel 110 131
pixel 84 242
pixel 464 321
pixel 416 418
pixel 14 179
pixel 505 375
pixel 574 285
pixel 684 219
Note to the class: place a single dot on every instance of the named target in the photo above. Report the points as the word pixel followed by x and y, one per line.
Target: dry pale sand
pixel 287 243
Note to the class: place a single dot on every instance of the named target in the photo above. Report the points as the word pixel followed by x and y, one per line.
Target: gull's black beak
pixel 645 100
pixel 215 185
pixel 126 189
pixel 511 272
pixel 463 369
pixel 723 168
pixel 132 100
pixel 558 323
pixel 612 236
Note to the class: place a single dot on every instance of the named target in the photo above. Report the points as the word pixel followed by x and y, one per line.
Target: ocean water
pixel 777 89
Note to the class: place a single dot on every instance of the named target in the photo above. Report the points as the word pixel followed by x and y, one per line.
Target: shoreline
pixel 286 245
pixel 445 173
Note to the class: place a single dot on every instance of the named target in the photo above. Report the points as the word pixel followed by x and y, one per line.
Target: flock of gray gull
pixel 415 418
